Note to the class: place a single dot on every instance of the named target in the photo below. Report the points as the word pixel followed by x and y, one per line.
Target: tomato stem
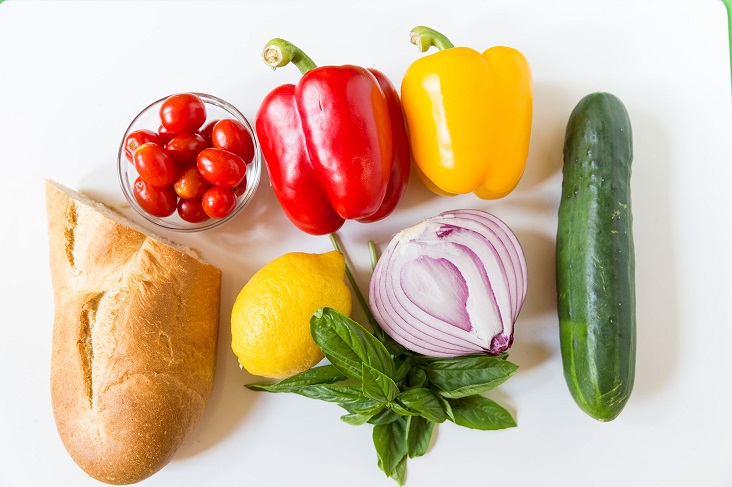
pixel 424 38
pixel 279 52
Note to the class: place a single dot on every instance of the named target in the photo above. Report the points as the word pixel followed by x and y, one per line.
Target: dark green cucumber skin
pixel 596 258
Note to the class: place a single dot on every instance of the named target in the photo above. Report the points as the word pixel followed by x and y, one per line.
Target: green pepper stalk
pixel 279 52
pixel 424 38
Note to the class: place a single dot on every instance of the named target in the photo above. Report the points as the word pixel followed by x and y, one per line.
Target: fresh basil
pixel 390 441
pixel 332 393
pixel 446 406
pixel 403 369
pixel 481 413
pixel 419 435
pixel 402 410
pixel 400 471
pixel 378 386
pixel 384 417
pixel 369 407
pixel 392 346
pixel 355 419
pixel 347 345
pixel 326 374
pixel 469 375
pixel 401 393
pixel 417 377
pixel 424 402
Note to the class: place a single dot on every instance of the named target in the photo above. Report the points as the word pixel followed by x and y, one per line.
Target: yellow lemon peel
pixel 270 319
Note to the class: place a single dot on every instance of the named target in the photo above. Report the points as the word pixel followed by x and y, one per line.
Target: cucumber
pixel 595 258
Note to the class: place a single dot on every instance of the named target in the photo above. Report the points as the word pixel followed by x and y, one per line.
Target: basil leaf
pixel 401 410
pixel 403 369
pixel 326 374
pixel 424 402
pixel 384 417
pixel 355 419
pixel 400 472
pixel 446 406
pixel 378 386
pixel 369 407
pixel 391 345
pixel 417 377
pixel 481 413
pixel 347 344
pixel 390 441
pixel 419 435
pixel 316 384
pixel 332 393
pixel 469 375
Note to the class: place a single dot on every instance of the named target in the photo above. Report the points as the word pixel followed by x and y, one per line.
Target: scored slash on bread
pixel 134 339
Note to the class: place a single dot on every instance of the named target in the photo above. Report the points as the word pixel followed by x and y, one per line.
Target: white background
pixel 73 74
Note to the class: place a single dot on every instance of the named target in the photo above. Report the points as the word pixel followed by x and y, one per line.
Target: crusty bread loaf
pixel 134 339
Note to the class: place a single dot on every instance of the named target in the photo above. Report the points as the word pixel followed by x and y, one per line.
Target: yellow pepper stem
pixel 424 38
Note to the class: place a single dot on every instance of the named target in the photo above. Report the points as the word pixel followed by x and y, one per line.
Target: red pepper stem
pixel 424 38
pixel 354 286
pixel 279 52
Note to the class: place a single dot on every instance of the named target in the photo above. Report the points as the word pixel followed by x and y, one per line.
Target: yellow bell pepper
pixel 468 115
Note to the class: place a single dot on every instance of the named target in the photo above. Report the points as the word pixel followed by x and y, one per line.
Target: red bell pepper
pixel 335 145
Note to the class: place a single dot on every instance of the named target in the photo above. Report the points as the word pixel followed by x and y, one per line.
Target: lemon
pixel 270 320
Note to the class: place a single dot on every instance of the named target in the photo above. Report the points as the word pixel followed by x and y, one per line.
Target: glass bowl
pixel 149 118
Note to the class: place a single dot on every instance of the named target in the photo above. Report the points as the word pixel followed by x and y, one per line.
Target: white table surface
pixel 73 74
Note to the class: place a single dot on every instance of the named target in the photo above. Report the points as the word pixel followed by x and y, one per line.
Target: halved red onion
pixel 451 285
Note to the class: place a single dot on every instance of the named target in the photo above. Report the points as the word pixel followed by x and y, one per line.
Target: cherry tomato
pixel 184 148
pixel 136 139
pixel 192 210
pixel 164 136
pixel 153 165
pixel 156 201
pixel 205 131
pixel 233 136
pixel 221 167
pixel 183 113
pixel 189 183
pixel 218 202
pixel 239 190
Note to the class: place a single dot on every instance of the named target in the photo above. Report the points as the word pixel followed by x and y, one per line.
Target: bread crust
pixel 134 340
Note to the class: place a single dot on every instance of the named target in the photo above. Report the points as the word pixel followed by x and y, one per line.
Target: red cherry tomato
pixel 189 183
pixel 239 190
pixel 156 201
pixel 233 136
pixel 205 131
pixel 183 113
pixel 192 210
pixel 136 139
pixel 153 165
pixel 221 167
pixel 164 136
pixel 218 202
pixel 184 148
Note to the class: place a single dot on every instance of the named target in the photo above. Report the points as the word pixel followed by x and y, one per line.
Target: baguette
pixel 134 339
